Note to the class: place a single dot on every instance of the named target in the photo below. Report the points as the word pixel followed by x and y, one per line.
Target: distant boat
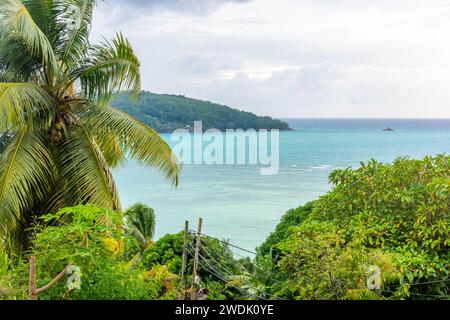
pixel 388 129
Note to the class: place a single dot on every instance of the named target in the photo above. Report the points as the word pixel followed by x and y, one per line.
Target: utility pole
pixel 197 251
pixel 185 251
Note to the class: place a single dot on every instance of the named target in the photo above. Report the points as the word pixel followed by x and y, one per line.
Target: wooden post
pixel 197 251
pixel 185 251
pixel 32 279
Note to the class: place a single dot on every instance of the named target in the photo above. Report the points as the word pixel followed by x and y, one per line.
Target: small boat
pixel 388 129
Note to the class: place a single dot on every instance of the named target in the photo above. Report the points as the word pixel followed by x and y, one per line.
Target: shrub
pixel 92 239
pixel 394 215
pixel 293 217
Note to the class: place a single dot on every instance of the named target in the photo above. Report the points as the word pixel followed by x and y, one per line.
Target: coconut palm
pixel 140 223
pixel 55 89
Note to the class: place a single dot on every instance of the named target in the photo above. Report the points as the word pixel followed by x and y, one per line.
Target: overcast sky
pixel 293 58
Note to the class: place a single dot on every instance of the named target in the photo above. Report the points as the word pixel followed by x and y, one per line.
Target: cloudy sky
pixel 293 58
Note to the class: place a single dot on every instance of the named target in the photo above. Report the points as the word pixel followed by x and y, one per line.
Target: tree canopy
pixel 166 113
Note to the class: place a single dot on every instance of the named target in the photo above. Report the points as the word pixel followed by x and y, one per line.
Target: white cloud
pixel 295 57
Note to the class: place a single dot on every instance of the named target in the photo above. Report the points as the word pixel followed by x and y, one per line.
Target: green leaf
pixel 24 105
pixel 26 175
pixel 137 140
pixel 83 166
pixel 18 22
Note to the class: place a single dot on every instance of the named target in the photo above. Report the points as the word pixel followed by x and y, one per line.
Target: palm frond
pixel 77 30
pixel 15 59
pixel 138 141
pixel 113 67
pixel 82 165
pixel 137 234
pixel 26 175
pixel 140 223
pixel 48 16
pixel 9 76
pixel 24 104
pixel 111 149
pixel 18 23
pixel 40 11
pixel 56 198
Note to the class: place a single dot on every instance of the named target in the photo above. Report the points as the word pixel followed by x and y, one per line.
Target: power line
pixel 222 277
pixel 227 271
pixel 230 273
pixel 422 283
pixel 421 294
pixel 232 284
pixel 268 274
pixel 428 282
pixel 225 242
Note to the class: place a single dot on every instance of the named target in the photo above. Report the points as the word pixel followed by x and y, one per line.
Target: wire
pixel 429 282
pixel 231 274
pixel 224 242
pixel 422 294
pixel 231 283
pixel 223 278
pixel 269 275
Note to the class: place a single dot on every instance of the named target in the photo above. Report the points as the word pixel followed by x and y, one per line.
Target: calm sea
pixel 239 204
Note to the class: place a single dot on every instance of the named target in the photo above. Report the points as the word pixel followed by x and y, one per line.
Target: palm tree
pixel 55 89
pixel 140 223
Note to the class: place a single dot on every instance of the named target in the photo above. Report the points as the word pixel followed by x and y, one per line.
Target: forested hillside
pixel 165 113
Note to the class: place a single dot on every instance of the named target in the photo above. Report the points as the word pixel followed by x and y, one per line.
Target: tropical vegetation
pixel 382 232
pixel 395 217
pixel 166 113
pixel 140 223
pixel 55 94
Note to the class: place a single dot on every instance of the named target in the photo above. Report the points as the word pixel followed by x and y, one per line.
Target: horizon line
pixel 358 118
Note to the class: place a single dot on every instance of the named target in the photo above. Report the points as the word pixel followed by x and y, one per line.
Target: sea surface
pixel 242 206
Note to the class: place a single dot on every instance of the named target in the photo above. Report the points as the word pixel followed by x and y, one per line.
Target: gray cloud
pixel 198 7
pixel 202 63
pixel 293 57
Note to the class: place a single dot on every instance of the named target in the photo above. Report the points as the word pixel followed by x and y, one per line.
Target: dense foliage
pixel 111 262
pixel 214 254
pixel 166 113
pixel 395 217
pixel 92 239
pixel 382 232
pixel 55 90
pixel 293 217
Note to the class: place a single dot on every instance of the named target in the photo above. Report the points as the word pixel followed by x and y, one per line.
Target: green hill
pixel 165 113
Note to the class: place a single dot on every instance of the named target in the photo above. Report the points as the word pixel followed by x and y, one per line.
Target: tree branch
pixel 33 292
pixel 52 283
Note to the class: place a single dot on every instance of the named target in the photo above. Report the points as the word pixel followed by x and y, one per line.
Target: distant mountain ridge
pixel 166 113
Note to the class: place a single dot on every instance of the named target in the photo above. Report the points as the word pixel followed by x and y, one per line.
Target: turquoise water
pixel 239 204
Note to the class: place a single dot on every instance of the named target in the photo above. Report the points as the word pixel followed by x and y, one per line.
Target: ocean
pixel 242 206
